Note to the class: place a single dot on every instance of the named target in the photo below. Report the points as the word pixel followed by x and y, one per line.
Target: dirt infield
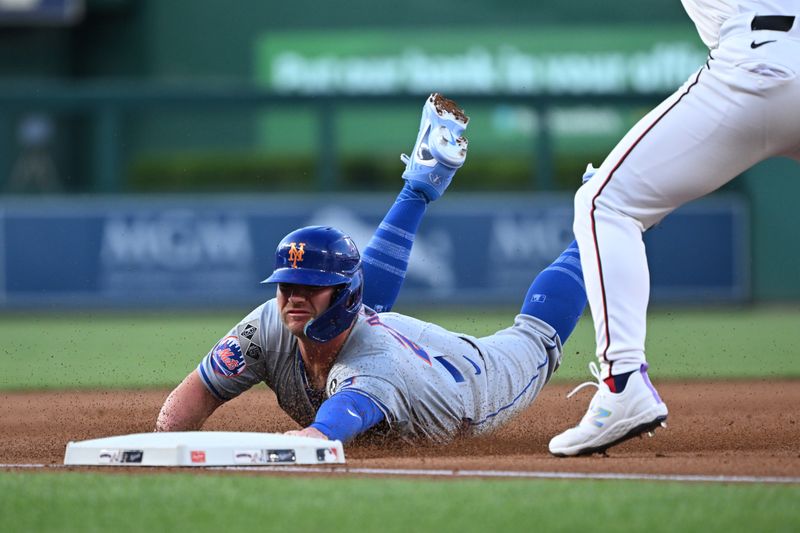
pixel 715 428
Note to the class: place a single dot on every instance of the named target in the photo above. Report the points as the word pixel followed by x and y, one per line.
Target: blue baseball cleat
pixel 440 149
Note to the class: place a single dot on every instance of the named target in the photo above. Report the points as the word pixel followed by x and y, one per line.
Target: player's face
pixel 300 303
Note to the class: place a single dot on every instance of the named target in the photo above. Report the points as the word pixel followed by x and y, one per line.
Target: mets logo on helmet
pixel 296 252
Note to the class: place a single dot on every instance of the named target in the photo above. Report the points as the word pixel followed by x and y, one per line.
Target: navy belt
pixel 772 22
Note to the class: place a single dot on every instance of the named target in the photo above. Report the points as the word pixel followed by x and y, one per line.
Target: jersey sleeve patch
pixel 248 330
pixel 226 357
pixel 253 351
pixel 335 386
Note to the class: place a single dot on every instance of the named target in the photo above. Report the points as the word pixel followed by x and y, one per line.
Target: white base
pixel 204 448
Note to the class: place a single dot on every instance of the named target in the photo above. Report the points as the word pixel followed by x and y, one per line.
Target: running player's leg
pixel 385 259
pixel 719 124
pixel 692 144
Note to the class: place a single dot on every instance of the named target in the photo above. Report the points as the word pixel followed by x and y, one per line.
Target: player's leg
pixel 385 259
pixel 557 295
pixel 710 131
pixel 634 188
pixel 429 171
pixel 521 359
pixel 725 119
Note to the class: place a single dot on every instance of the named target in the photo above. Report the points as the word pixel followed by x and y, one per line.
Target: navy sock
pixel 617 383
pixel 385 259
pixel 558 295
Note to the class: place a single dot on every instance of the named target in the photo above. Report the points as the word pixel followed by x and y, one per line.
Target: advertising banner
pixel 599 59
pixel 210 253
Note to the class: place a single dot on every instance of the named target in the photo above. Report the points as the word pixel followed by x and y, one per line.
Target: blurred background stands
pixel 265 98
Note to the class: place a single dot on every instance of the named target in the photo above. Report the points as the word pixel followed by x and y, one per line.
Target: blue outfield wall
pixel 212 252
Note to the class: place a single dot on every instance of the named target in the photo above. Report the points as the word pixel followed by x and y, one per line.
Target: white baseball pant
pixel 742 107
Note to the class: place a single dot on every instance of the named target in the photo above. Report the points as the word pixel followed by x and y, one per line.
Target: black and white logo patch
pixel 253 351
pixel 332 387
pixel 248 331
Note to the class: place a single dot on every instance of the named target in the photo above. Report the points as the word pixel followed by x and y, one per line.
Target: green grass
pixel 142 350
pixel 105 350
pixel 158 349
pixel 209 502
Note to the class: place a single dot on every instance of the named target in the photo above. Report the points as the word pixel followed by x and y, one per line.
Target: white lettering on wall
pixel 175 240
pixel 663 67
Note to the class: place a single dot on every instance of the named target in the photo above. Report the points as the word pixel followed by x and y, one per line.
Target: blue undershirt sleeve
pixel 347 414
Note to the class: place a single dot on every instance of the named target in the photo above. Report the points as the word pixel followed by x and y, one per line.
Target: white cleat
pixel 613 417
pixel 441 147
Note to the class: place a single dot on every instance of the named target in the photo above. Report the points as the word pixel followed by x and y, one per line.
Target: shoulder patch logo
pixel 253 351
pixel 296 252
pixel 248 331
pixel 335 386
pixel 226 357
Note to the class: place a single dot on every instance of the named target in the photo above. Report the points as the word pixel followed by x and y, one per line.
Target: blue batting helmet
pixel 323 256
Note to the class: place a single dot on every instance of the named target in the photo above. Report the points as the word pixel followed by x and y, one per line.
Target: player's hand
pixel 313 433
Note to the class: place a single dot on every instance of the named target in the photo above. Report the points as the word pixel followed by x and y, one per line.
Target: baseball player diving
pixel 340 368
pixel 741 107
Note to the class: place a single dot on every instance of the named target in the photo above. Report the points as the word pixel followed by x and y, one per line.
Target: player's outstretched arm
pixel 188 406
pixel 343 416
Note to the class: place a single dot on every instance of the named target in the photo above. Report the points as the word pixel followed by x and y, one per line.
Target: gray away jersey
pixel 429 382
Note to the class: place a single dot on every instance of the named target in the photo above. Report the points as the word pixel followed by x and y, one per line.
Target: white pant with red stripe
pixel 742 107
